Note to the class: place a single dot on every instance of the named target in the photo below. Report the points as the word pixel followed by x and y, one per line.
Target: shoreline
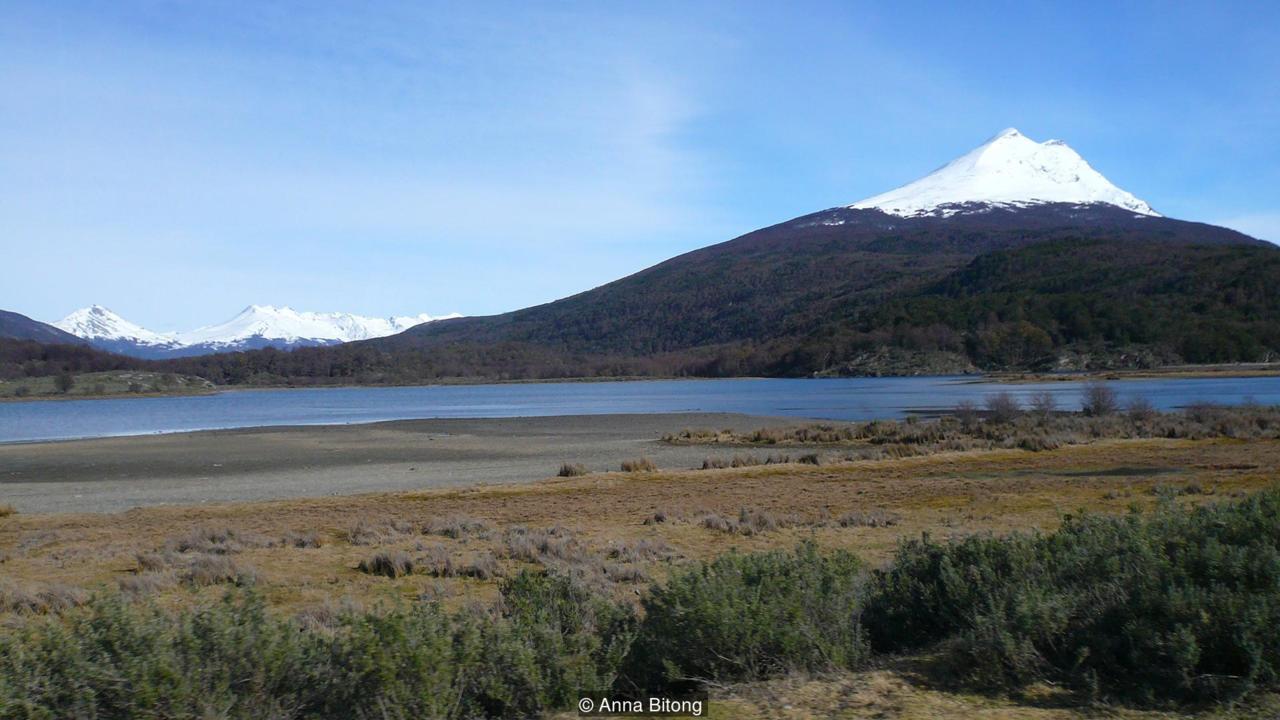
pixel 282 462
pixel 1189 372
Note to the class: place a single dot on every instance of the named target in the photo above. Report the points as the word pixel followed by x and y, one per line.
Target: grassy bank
pixel 111 383
pixel 1162 609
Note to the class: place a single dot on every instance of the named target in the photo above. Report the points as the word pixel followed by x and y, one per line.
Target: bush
pixel 121 659
pixel 573 470
pixel 1140 409
pixel 1099 400
pixel 573 640
pixel 63 382
pixel 1043 404
pixel 1002 407
pixel 1180 606
pixel 745 617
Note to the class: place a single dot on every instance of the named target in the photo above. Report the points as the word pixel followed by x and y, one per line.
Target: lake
pixel 834 399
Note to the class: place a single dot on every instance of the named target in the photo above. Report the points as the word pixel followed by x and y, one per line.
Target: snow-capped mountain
pixel 257 326
pixel 1009 170
pixel 107 330
pixel 289 325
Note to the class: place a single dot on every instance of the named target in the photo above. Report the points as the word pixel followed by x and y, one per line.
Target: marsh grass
pixel 218 541
pixel 643 464
pixel 204 570
pixel 369 532
pixel 573 470
pixel 739 461
pixel 458 527
pixel 1006 425
pixel 39 598
pixel 392 564
pixel 749 521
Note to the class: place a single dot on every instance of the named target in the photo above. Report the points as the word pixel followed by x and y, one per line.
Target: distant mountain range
pixel 1016 255
pixel 255 327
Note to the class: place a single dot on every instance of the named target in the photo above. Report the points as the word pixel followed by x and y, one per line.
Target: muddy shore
pixel 115 474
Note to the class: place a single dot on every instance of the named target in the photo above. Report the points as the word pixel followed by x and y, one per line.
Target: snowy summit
pixel 99 323
pixel 1010 169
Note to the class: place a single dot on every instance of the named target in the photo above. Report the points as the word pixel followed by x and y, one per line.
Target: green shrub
pixel 744 617
pixel 569 641
pixel 551 642
pixel 132 660
pixel 1183 605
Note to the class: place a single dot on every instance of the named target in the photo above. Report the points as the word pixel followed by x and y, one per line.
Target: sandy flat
pixel 113 474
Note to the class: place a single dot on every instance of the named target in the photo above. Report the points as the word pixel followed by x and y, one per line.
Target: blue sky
pixel 177 161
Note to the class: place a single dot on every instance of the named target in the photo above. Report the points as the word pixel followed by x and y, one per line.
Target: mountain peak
pixel 1010 169
pixel 97 322
pixel 265 310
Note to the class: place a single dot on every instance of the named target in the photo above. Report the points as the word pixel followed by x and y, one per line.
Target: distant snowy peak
pixel 289 325
pixel 1010 169
pixel 98 323
pixel 255 327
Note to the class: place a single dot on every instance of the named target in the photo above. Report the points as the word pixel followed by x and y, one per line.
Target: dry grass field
pixel 622 531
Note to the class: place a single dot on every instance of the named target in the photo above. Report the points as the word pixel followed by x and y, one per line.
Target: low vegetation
pixel 572 470
pixel 390 564
pixel 639 465
pixel 546 642
pixel 748 617
pixel 1177 605
pixel 1004 424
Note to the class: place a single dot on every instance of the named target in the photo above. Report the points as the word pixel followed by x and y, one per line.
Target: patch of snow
pixel 1009 170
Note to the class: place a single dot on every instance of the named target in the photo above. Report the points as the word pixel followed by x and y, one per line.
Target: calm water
pixel 836 399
